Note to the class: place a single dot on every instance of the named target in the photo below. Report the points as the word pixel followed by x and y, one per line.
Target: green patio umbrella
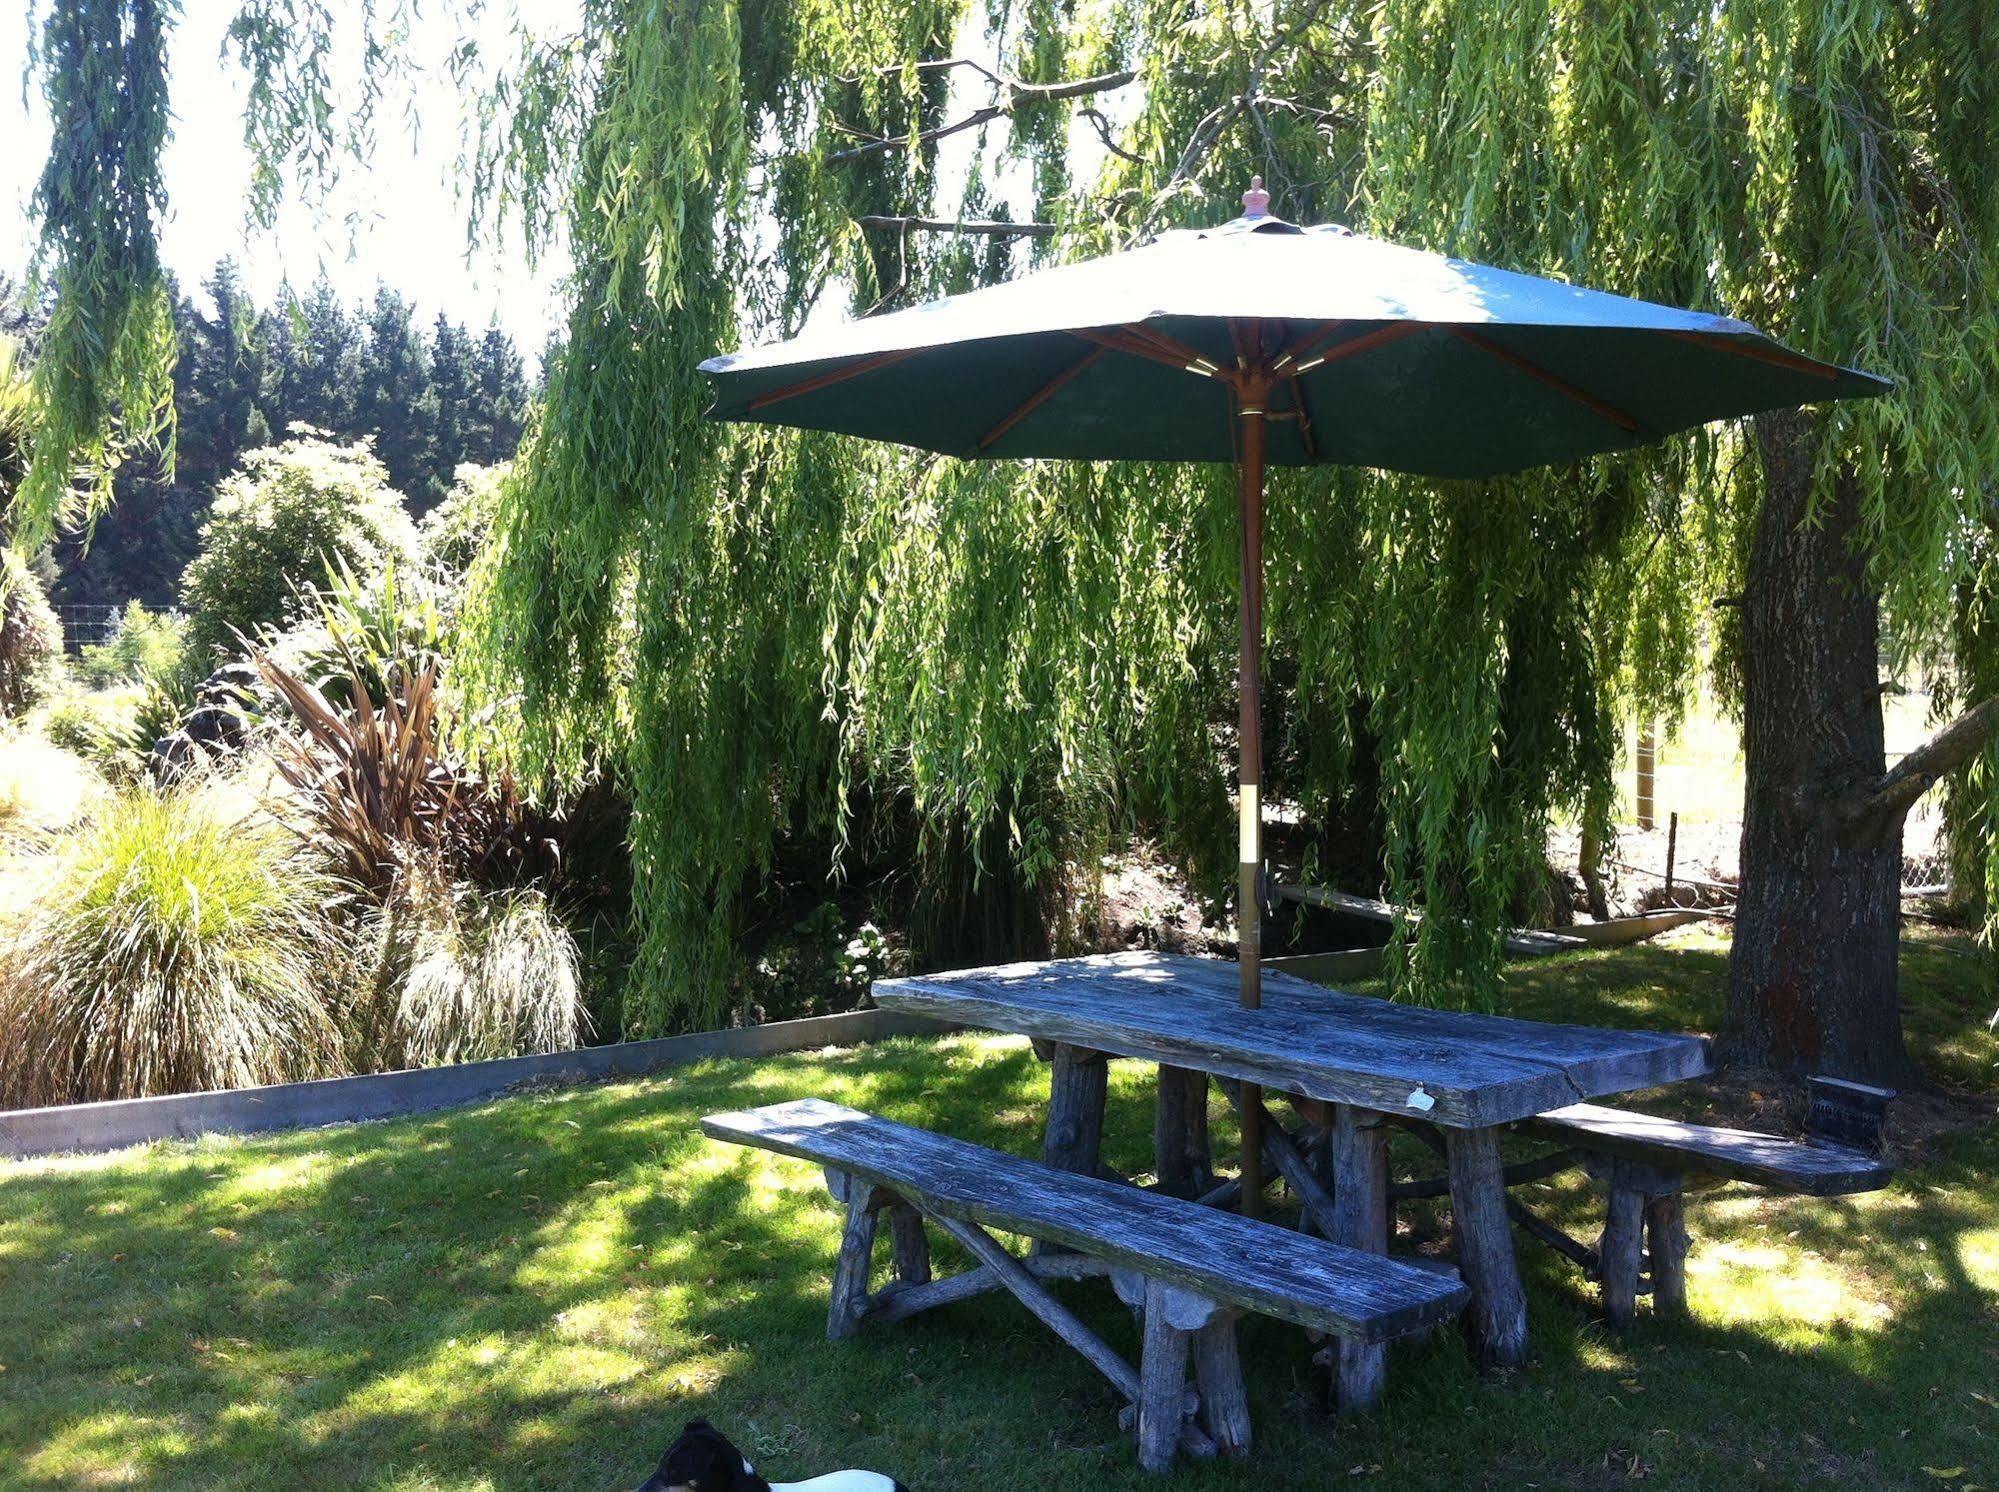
pixel 1261 342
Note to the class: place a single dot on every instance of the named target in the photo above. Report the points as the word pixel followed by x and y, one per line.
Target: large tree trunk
pixel 1812 979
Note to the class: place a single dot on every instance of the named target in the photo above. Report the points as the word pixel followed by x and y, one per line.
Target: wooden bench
pixel 1645 1163
pixel 1186 1269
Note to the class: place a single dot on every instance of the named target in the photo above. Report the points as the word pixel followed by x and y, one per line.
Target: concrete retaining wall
pixel 132 1121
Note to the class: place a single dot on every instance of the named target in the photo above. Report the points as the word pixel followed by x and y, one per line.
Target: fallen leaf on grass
pixel 1944 1473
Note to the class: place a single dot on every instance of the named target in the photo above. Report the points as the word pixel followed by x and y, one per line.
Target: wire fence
pixel 87 626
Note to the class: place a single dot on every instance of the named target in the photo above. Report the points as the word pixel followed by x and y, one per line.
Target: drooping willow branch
pixel 103 377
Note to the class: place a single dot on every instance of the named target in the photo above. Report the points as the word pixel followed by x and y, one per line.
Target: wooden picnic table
pixel 1350 1063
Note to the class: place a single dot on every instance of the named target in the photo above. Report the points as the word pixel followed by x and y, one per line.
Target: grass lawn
pixel 537 1292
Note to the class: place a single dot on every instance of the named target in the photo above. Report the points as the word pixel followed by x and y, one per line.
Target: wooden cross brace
pixel 1177 1323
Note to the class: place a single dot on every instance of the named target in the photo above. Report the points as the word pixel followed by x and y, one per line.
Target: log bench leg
pixel 1184 1162
pixel 1162 1386
pixel 1666 1247
pixel 1496 1320
pixel 1644 1225
pixel 1360 1221
pixel 1174 1324
pixel 853 1270
pixel 1619 1252
pixel 909 1245
pixel 1218 1376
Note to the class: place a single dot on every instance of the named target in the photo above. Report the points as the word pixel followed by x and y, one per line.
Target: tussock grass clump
pixel 176 944
pixel 461 975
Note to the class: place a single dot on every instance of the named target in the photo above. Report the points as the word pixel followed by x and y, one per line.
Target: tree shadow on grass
pixel 536 1293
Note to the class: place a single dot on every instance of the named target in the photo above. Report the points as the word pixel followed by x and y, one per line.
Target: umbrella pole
pixel 1249 899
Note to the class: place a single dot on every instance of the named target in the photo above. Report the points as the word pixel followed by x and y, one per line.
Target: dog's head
pixel 703 1460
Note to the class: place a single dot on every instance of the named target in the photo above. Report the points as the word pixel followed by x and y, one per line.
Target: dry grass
pixel 459 975
pixel 44 788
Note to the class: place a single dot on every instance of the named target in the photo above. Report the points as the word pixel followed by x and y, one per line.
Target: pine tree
pixel 229 359
pixel 500 402
pixel 320 381
pixel 393 400
pixel 453 397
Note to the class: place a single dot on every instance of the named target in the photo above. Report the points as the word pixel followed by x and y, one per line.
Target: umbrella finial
pixel 1256 201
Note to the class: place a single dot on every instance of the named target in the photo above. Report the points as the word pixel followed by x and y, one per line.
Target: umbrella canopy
pixel 1396 358
pixel 1261 341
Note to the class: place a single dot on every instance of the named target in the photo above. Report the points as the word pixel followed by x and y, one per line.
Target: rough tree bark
pixel 1812 979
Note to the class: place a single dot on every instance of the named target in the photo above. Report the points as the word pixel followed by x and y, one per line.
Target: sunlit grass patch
pixel 535 1293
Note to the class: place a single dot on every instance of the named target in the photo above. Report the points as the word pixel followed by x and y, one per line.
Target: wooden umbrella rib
pixel 1164 343
pixel 1121 340
pixel 1310 343
pixel 1040 396
pixel 1381 336
pixel 1758 352
pixel 832 376
pixel 1554 381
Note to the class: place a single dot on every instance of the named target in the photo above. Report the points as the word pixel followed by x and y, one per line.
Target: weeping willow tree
pixel 763 631
pixel 1825 171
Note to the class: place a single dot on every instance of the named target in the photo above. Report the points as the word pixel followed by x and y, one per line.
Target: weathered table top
pixel 1457 1069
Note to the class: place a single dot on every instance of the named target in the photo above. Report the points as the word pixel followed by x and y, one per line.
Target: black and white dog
pixel 702 1460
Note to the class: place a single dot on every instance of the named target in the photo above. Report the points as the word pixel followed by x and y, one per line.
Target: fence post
pixel 1646 759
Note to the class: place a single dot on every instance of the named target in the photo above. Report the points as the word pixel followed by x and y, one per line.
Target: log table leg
pixel 1077 1079
pixel 1180 1133
pixel 1077 1082
pixel 1360 1221
pixel 1496 1320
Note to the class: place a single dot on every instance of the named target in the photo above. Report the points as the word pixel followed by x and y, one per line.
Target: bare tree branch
pixel 984 227
pixel 1919 771
pixel 1101 123
pixel 902 142
pixel 1209 130
pixel 936 64
pixel 1015 94
pixel 1027 93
